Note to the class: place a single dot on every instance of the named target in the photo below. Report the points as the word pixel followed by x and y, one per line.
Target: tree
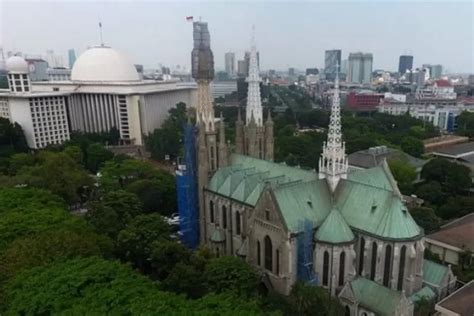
pixel 135 241
pixel 97 155
pixel 426 218
pixel 12 138
pixel 113 212
pixel 465 123
pixel 157 194
pixel 431 192
pixel 231 274
pixel 58 173
pixel 306 299
pixel 404 173
pixel 412 146
pixel 453 177
pixel 20 160
pixel 48 246
pixel 185 279
pixel 76 154
pixel 165 254
pixel 456 207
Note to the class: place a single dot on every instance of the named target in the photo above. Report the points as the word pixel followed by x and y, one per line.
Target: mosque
pixel 105 91
pixel 349 232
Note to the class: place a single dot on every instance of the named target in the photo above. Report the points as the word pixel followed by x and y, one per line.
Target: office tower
pixel 332 58
pixel 405 63
pixel 71 57
pixel 435 71
pixel 230 64
pixel 242 68
pixel 360 68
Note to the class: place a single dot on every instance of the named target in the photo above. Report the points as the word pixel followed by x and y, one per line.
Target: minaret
pixel 222 144
pixel 254 103
pixel 333 163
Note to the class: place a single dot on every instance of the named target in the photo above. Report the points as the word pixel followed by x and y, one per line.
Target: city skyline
pixel 135 29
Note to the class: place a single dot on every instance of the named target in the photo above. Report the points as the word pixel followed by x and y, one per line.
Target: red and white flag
pixel 189 18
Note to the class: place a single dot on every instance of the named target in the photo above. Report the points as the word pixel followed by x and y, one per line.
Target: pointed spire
pixel 254 102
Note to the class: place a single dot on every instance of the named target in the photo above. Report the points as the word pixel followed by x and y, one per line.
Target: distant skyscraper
pixel 360 68
pixel 405 63
pixel 291 72
pixel 312 71
pixel 72 57
pixel 332 58
pixel 435 71
pixel 230 64
pixel 242 68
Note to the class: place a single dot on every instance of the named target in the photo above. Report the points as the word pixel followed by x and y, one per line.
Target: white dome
pixel 17 64
pixel 103 63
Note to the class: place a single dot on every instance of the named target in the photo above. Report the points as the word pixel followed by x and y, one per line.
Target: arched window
pixel 364 314
pixel 325 268
pixel 211 210
pixel 259 251
pixel 401 270
pixel 361 255
pixel 224 217
pixel 268 254
pixel 347 311
pixel 373 265
pixel 342 265
pixel 237 222
pixel 388 261
pixel 278 262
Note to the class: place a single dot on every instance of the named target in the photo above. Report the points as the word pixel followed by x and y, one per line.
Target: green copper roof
pixel 334 229
pixel 425 292
pixel 433 273
pixel 375 297
pixel 369 200
pixel 303 201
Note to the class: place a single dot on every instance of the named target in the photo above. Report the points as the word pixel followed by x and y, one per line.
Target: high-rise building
pixel 332 58
pixel 360 68
pixel 71 57
pixel 312 71
pixel 230 64
pixel 435 71
pixel 405 63
pixel 242 68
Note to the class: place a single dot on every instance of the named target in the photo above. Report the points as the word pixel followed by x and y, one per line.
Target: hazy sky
pixel 289 34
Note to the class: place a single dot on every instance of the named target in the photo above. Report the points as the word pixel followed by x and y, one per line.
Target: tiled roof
pixel 433 273
pixel 459 233
pixel 375 297
pixel 461 301
pixel 334 229
pixel 443 83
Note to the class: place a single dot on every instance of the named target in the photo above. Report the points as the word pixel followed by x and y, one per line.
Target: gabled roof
pixel 303 201
pixel 334 229
pixel 434 273
pixel 459 233
pixel 370 201
pixel 372 157
pixel 375 297
pixel 460 302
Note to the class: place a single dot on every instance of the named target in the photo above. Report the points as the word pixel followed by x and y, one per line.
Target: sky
pixel 288 33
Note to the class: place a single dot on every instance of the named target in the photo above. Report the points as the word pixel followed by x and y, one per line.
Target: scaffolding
pixel 186 182
pixel 305 253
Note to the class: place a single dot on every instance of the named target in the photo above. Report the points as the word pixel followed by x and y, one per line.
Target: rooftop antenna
pixel 100 30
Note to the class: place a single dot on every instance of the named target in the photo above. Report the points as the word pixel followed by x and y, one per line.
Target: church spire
pixel 333 163
pixel 254 103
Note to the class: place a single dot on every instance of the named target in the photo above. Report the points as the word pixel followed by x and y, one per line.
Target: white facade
pixel 105 92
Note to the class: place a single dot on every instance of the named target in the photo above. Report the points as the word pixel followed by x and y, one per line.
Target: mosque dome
pixel 16 64
pixel 103 63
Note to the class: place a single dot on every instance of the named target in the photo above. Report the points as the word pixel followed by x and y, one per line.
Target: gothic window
pixel 401 271
pixel 267 214
pixel 364 314
pixel 211 210
pixel 259 261
pixel 361 255
pixel 373 265
pixel 387 263
pixel 342 264
pixel 278 262
pixel 224 217
pixel 237 223
pixel 347 311
pixel 325 268
pixel 268 253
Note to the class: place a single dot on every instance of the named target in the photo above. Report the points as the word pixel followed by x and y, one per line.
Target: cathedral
pixel 347 231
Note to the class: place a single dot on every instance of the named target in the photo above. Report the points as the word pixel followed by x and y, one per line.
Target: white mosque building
pixel 105 91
